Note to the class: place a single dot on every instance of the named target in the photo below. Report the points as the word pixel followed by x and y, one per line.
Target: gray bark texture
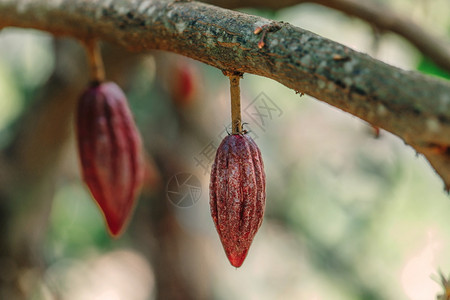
pixel 408 104
pixel 376 13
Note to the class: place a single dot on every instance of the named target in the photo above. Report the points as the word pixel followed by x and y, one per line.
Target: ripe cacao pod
pixel 109 147
pixel 237 194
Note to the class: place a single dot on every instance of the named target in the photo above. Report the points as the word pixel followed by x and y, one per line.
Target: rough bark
pixel 413 106
pixel 437 48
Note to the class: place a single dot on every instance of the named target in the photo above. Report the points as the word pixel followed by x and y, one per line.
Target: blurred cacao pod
pixel 237 195
pixel 184 83
pixel 109 147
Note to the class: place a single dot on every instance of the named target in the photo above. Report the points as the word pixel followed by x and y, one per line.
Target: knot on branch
pixel 232 73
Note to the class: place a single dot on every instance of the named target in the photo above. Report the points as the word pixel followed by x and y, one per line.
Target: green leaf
pixel 427 66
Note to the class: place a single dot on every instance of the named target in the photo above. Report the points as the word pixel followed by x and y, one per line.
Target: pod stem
pixel 236 122
pixel 95 60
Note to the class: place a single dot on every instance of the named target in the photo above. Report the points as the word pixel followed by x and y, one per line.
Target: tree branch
pixel 408 104
pixel 377 14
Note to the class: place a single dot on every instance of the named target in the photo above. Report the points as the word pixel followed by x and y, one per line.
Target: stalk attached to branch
pixel 237 189
pixel 95 60
pixel 236 122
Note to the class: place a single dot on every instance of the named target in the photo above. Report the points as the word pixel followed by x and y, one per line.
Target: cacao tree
pixel 53 235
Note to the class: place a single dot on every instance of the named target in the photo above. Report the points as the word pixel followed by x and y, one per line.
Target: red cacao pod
pixel 109 147
pixel 184 83
pixel 237 195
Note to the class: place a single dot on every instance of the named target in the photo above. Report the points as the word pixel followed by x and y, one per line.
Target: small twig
pixel 272 27
pixel 261 42
pixel 95 60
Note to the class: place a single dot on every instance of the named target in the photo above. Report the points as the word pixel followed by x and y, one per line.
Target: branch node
pixel 229 73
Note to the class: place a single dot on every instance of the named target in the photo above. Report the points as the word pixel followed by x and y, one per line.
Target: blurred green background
pixel 349 216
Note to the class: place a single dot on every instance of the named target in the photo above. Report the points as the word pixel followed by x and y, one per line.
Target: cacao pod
pixel 109 147
pixel 184 83
pixel 237 195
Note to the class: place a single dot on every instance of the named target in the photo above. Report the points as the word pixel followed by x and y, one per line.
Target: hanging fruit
pixel 109 147
pixel 184 82
pixel 237 187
